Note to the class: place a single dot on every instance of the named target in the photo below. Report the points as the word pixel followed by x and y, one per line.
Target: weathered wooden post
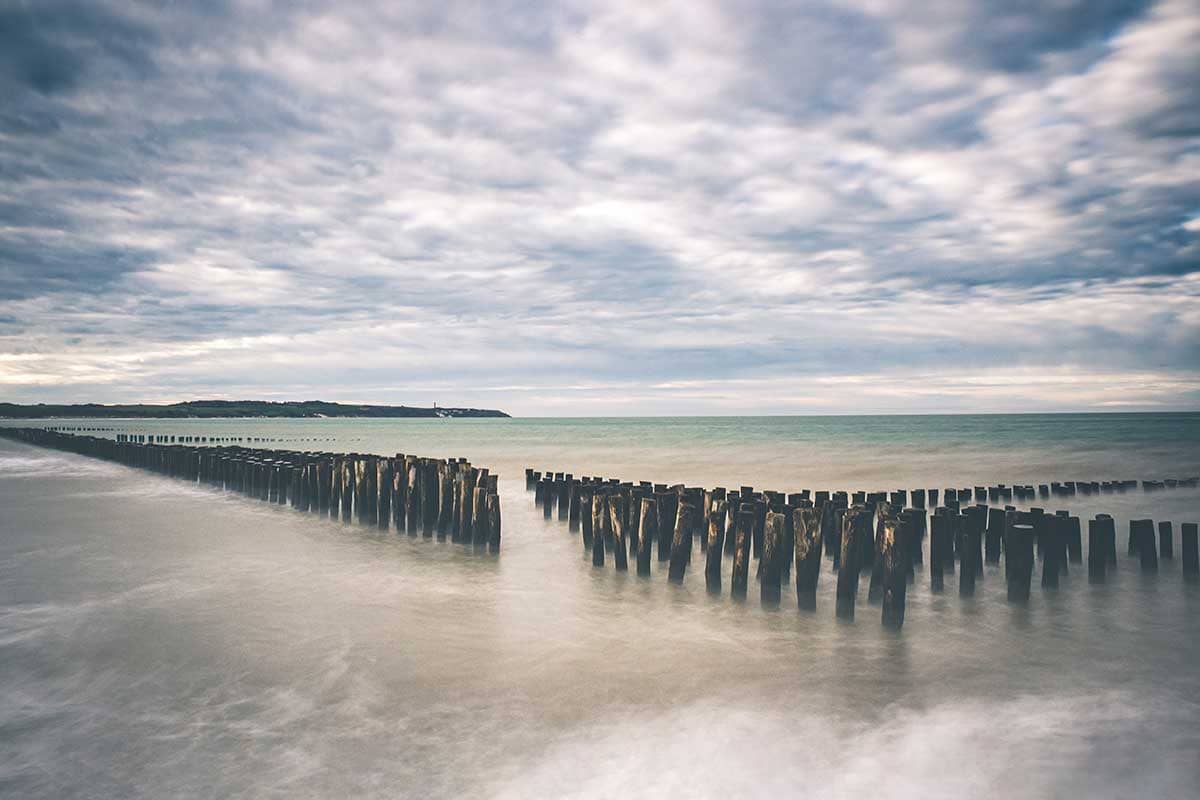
pixel 563 498
pixel 760 523
pixel 855 524
pixel 1053 552
pixel 695 520
pixel 349 489
pixel 1141 531
pixel 666 503
pixel 939 532
pixel 414 497
pixel 1074 541
pixel 1097 551
pixel 445 520
pixel 383 495
pixel 1190 551
pixel 1166 540
pixel 896 563
pixel 573 506
pixel 468 505
pixel 971 524
pixel 585 516
pixel 599 524
pixel 773 554
pixel 807 525
pixel 616 519
pixel 995 535
pixel 681 540
pixel 493 512
pixel 429 503
pixel 734 501
pixel 875 585
pixel 1135 531
pixel 548 494
pixel 743 533
pixel 1018 556
pixel 647 530
pixel 715 545
pixel 479 517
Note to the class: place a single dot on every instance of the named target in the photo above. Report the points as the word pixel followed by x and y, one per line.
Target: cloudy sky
pixel 604 207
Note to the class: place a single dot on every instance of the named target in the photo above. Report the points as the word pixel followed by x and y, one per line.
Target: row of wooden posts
pixel 171 438
pixel 881 532
pixel 183 438
pixel 421 496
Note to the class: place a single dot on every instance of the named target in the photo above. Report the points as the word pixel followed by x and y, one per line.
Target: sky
pixel 604 208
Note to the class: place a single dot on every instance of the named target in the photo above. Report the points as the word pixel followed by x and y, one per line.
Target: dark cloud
pixel 54 46
pixel 1014 35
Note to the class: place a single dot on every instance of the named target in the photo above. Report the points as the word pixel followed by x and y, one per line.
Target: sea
pixel 160 639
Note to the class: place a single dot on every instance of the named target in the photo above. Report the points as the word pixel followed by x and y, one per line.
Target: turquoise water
pixel 159 639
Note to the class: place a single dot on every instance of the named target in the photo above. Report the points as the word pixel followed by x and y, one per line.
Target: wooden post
pixel 1190 552
pixel 832 516
pixel 855 525
pixel 734 504
pixel 715 545
pixel 599 524
pixel 585 516
pixel 972 557
pixel 995 535
pixel 429 503
pixel 563 498
pixel 445 522
pixel 1097 551
pixel 773 555
pixel 493 512
pixel 383 494
pixel 1074 541
pixel 1109 539
pixel 1141 531
pixel 468 506
pixel 939 531
pixel 548 495
pixel 479 517
pixel 743 535
pixel 875 585
pixel 1053 552
pixel 1018 555
pixel 573 506
pixel 807 525
pixel 667 503
pixel 1166 540
pixel 893 552
pixel 681 540
pixel 1136 526
pixel 616 519
pixel 647 530
pixel 348 488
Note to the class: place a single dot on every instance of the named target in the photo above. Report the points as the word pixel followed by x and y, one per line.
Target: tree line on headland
pixel 233 408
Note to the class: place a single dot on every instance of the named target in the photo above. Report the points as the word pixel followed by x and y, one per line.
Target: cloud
pixel 605 204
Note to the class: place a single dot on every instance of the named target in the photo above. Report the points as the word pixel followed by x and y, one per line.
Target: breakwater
pixel 429 497
pixel 879 533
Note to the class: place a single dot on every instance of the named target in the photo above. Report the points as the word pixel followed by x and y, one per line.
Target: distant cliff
pixel 233 408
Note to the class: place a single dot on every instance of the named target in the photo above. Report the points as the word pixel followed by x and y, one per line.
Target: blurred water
pixel 158 639
pixel 886 452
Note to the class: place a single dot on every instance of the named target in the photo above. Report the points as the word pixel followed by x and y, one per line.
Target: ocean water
pixel 160 639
